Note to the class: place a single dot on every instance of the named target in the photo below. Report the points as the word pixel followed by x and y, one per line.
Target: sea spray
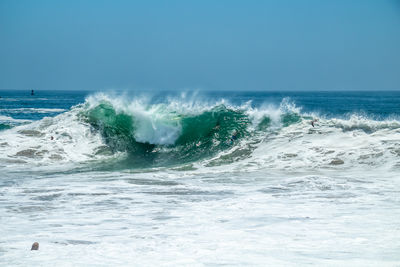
pixel 138 132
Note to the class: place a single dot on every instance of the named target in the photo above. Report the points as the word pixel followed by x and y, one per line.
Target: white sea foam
pixel 273 112
pixel 34 110
pixel 73 141
pixel 10 119
pixel 196 219
pixel 328 145
pixel 298 195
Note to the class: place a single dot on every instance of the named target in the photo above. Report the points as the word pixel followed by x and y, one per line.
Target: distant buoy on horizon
pixel 32 92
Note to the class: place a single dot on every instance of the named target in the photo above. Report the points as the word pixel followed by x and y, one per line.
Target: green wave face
pixel 116 128
pixel 209 132
pixel 290 118
pixel 198 136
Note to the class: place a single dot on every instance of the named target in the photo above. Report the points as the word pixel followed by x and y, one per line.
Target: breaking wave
pixel 116 132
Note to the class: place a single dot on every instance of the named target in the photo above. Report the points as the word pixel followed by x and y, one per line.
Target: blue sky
pixel 211 45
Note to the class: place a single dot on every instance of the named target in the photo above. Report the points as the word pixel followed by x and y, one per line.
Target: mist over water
pixel 120 179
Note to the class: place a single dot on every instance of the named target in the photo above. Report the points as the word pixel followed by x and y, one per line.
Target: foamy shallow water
pixel 125 181
pixel 186 218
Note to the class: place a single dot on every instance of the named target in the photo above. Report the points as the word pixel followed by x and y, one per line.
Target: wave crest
pixel 142 133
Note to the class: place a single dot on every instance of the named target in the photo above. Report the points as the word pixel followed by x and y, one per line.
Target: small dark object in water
pixel 35 246
pixel 32 92
pixel 234 136
pixel 313 121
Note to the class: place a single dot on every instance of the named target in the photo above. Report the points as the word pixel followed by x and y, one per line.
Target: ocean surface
pixel 156 179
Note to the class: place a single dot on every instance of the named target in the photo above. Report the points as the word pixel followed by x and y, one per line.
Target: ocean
pixel 199 178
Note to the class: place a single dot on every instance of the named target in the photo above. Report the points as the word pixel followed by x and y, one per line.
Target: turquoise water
pixel 123 178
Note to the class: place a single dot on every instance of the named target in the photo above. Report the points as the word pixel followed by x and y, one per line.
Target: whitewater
pixel 135 179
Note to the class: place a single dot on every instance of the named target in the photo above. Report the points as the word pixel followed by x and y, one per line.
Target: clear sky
pixel 205 44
